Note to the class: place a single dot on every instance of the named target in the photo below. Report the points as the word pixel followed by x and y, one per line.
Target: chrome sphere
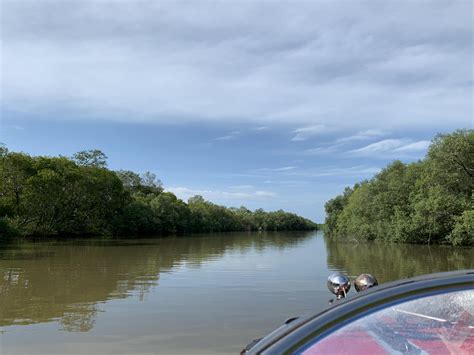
pixel 365 281
pixel 339 285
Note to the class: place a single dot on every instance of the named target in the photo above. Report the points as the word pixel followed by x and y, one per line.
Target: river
pixel 201 294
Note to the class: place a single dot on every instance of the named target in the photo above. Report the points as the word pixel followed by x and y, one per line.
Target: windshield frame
pixel 310 329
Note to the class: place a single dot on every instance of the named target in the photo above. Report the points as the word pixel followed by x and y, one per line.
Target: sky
pixel 269 104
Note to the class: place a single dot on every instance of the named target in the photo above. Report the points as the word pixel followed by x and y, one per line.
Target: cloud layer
pixel 313 65
pixel 393 146
pixel 217 195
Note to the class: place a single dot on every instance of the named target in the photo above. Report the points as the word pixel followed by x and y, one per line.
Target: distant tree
pixel 149 179
pixel 130 180
pixel 3 150
pixel 45 196
pixel 145 184
pixel 93 157
pixel 196 199
pixel 172 213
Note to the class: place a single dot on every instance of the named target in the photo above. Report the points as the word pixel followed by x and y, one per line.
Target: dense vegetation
pixel 60 196
pixel 429 201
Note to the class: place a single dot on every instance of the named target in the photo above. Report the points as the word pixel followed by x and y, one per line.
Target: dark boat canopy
pixel 418 315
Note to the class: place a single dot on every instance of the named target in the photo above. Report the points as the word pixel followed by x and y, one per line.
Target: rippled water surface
pixel 207 294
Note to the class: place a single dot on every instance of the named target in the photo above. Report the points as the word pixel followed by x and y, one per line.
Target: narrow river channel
pixel 203 294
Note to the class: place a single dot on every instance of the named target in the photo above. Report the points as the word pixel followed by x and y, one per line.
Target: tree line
pixel 79 196
pixel 428 201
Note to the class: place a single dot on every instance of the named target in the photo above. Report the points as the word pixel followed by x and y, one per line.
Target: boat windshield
pixel 441 324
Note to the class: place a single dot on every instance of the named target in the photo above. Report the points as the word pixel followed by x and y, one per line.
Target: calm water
pixel 209 294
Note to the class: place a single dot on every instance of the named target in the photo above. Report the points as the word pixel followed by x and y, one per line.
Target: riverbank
pixel 425 202
pixel 45 196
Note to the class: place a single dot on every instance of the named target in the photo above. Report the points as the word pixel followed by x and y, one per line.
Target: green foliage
pixel 173 215
pixel 7 232
pixel 95 158
pixel 49 196
pixel 452 160
pixel 3 150
pixel 334 209
pixel 145 184
pixel 136 219
pixel 420 202
pixel 46 196
pixel 463 231
pixel 15 169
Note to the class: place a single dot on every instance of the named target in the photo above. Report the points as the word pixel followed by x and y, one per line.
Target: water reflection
pixel 66 281
pixel 390 262
pixel 201 294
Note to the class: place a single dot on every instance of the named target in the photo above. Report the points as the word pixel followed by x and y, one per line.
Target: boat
pixel 429 314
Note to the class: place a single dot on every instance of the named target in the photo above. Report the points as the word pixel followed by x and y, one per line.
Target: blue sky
pixel 263 104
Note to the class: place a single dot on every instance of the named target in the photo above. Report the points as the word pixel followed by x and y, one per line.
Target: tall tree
pixel 93 157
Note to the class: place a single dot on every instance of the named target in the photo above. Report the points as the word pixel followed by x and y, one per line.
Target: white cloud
pixel 341 143
pixel 391 146
pixel 420 146
pixel 16 127
pixel 351 171
pixel 324 171
pixel 282 169
pixel 311 65
pixel 218 195
pixel 285 168
pixel 323 150
pixel 359 170
pixel 362 135
pixel 265 193
pixel 290 183
pixel 241 187
pixel 224 138
pixel 229 136
pixel 304 133
pixel 385 145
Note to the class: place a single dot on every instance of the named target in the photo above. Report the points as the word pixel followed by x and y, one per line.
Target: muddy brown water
pixel 201 294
